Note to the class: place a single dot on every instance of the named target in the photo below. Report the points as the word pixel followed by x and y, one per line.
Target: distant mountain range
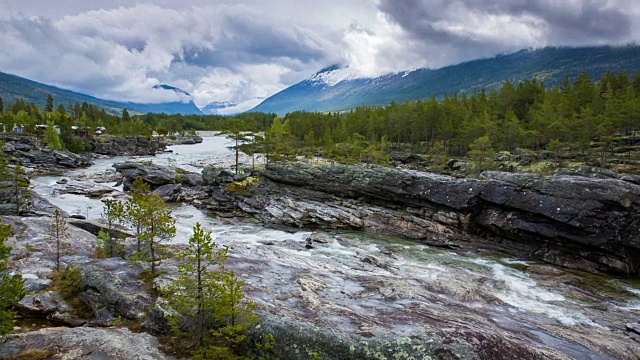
pixel 338 88
pixel 13 87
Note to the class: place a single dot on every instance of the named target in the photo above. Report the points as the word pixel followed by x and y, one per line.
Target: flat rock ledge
pixel 572 221
pixel 83 343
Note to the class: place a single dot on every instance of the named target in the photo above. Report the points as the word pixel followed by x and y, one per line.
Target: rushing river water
pixel 356 279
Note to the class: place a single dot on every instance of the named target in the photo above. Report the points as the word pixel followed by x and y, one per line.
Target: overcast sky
pixel 247 50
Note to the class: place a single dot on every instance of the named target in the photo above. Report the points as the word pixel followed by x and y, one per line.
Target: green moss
pixel 604 285
pixel 244 185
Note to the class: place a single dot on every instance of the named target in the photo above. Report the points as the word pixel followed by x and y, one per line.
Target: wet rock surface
pixel 567 220
pixel 84 343
pixel 155 175
pixel 351 298
pixel 351 295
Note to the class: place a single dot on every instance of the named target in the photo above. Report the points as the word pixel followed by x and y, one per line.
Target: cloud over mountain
pixel 221 51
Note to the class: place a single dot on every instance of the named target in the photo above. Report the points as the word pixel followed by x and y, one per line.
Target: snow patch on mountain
pixel 334 75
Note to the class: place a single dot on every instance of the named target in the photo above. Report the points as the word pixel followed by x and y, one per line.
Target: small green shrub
pixel 68 282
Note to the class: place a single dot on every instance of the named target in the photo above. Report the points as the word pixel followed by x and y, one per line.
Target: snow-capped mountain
pixel 333 75
pixel 338 88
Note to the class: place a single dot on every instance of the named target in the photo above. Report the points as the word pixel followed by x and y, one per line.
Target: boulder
pixel 82 343
pixel 153 174
pixel 635 327
pixel 42 304
pixel 108 296
pixel 86 188
pixel 94 227
pixel 168 191
pixel 213 175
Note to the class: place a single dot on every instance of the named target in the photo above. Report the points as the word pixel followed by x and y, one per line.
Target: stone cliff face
pixel 573 221
pixel 566 220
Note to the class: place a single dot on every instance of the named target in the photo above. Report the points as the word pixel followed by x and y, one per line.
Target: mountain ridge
pixel 13 87
pixel 550 65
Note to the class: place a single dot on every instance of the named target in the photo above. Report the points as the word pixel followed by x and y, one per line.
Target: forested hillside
pixel 336 89
pixel 568 117
pixel 14 87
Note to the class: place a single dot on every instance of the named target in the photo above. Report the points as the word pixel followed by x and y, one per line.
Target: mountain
pixel 215 107
pixel 13 87
pixel 338 88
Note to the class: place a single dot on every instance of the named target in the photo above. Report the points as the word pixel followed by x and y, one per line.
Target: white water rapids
pixel 276 265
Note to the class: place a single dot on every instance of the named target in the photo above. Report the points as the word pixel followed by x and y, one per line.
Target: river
pixel 358 283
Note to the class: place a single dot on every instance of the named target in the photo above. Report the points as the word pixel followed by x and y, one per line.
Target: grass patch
pixel 147 277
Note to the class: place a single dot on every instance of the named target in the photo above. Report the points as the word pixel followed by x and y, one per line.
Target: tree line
pixel 517 115
pixel 77 122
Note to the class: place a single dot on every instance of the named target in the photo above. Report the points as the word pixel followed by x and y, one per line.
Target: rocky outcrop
pixel 14 195
pixel 127 146
pixel 582 222
pixel 186 139
pixel 82 343
pixel 108 297
pixel 154 175
pixel 567 220
pixel 31 153
pixel 86 188
pixel 214 175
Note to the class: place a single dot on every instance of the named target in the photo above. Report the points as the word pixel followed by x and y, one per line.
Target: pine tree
pixel 237 136
pixel 59 232
pixel 125 116
pixel 51 136
pixel 212 314
pixel 481 153
pixel 159 227
pixel 134 213
pixel 11 286
pixel 113 212
pixel 153 222
pixel 49 106
pixel 196 291
pixel 1 105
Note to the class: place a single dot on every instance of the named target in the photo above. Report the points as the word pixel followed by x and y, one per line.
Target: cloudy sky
pixel 244 51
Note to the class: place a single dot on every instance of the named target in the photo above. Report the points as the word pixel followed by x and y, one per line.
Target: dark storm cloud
pixel 559 22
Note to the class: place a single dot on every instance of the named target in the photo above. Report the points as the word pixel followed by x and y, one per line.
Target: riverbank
pixel 344 294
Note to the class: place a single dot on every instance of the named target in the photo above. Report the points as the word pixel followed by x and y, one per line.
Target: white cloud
pixel 222 51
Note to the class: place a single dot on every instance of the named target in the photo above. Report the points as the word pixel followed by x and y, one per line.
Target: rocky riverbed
pixel 464 290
